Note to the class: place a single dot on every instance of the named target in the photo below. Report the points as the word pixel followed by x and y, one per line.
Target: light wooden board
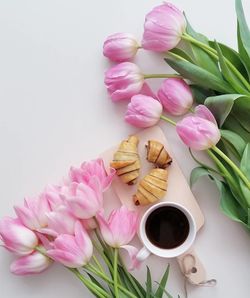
pixel 178 189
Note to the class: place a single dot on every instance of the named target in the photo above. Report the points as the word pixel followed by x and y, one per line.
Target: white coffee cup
pixel 150 248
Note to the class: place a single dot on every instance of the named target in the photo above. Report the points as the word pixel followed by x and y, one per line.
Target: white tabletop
pixel 55 112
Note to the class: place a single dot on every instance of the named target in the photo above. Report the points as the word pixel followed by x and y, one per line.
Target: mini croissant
pixel 152 187
pixel 126 160
pixel 157 154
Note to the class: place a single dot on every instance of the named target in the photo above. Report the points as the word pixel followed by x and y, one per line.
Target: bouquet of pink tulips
pixel 219 81
pixel 66 224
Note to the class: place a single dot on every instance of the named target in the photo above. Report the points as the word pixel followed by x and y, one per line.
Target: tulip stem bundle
pixel 65 223
pixel 90 285
pixel 233 166
pixel 102 275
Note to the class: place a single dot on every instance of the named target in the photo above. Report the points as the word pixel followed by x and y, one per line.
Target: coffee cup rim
pixel 172 252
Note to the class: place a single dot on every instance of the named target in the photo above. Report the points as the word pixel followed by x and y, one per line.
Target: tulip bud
pixel 120 47
pixel 175 96
pixel 16 237
pixel 31 264
pixel 123 81
pixel 163 28
pixel 199 132
pixel 143 111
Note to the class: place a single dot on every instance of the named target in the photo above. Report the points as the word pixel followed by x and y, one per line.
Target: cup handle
pixel 143 254
pixel 192 267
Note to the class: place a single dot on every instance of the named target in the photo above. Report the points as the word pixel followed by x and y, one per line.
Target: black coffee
pixel 167 227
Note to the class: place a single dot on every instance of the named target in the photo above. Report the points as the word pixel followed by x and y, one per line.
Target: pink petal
pixel 66 258
pixel 203 112
pixel 83 240
pixel 31 264
pixel 146 90
pixel 105 230
pixel 132 253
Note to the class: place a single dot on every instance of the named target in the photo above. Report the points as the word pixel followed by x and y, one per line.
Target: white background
pixel 55 113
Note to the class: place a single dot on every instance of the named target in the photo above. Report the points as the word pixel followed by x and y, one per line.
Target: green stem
pixel 228 178
pixel 105 277
pixel 102 254
pixel 161 75
pixel 97 263
pixel 168 120
pixel 176 56
pixel 233 165
pixel 103 244
pixel 222 168
pixel 115 272
pixel 212 52
pixel 90 285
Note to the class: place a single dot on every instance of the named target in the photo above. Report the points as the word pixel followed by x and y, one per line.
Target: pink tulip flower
pixel 53 195
pixel 16 237
pixel 175 96
pixel 60 221
pixel 84 200
pixel 33 213
pixel 120 228
pixel 199 132
pixel 32 264
pixel 120 47
pixel 93 168
pixel 163 28
pixel 123 81
pixel 143 111
pixel 72 251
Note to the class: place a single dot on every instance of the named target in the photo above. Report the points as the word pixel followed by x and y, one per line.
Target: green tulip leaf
pixel 234 125
pixel 200 57
pixel 232 56
pixel 228 74
pixel 199 172
pixel 149 284
pixel 221 105
pixel 182 54
pixel 243 35
pixel 138 285
pixel 96 282
pixel 230 177
pixel 200 94
pixel 245 168
pixel 241 111
pixel 160 291
pixel 194 34
pixel 199 75
pixel 233 142
pixel 229 205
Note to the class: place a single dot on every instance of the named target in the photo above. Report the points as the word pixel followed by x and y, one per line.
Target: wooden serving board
pixel 178 189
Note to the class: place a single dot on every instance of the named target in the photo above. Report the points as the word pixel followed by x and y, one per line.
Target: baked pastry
pixel 126 160
pixel 157 154
pixel 152 187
